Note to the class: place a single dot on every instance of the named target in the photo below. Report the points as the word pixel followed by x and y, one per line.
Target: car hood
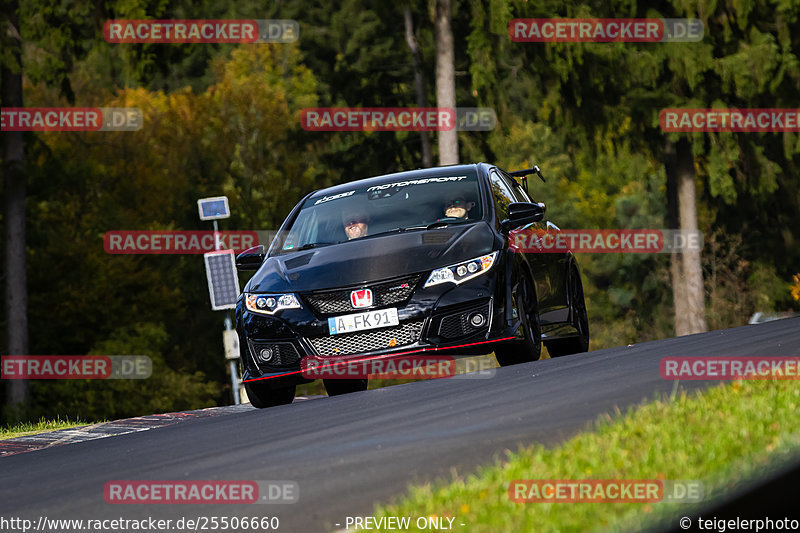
pixel 372 258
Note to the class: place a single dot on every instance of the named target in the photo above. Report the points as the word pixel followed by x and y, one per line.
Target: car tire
pixel 580 321
pixel 530 348
pixel 262 396
pixel 335 387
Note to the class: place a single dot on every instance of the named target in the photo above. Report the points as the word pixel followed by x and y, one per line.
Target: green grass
pixel 722 437
pixel 42 426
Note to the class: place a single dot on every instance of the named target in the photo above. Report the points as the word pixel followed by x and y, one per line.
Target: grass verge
pixel 722 437
pixel 42 426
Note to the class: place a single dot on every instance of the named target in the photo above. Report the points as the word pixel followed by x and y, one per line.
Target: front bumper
pixel 436 319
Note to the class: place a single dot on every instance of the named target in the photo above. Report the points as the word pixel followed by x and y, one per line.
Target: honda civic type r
pixel 403 263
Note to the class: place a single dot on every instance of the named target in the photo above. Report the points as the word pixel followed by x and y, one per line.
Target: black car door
pixel 504 193
pixel 554 264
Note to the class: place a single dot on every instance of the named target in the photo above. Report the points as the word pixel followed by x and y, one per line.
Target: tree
pixel 16 296
pixel 690 313
pixel 606 98
pixel 445 80
pixel 419 81
pixel 70 39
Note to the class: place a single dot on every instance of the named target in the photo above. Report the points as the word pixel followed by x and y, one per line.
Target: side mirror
pixel 251 258
pixel 522 213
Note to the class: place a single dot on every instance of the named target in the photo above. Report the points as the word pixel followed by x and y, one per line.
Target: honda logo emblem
pixel 361 298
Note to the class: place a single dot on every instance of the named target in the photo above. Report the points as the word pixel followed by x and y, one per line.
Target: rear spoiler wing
pixel 524 173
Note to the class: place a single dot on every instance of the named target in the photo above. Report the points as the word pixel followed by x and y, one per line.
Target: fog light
pixel 477 320
pixel 265 354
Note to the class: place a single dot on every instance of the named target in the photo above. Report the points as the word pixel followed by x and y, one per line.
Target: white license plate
pixel 361 321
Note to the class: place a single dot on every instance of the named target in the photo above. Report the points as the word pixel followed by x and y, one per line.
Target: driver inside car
pixel 457 207
pixel 355 224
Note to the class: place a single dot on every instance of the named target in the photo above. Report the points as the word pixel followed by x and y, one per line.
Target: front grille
pixel 385 293
pixel 284 353
pixel 458 325
pixel 354 343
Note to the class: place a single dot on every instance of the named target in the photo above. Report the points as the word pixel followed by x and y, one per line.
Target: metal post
pixel 235 381
pixel 216 236
pixel 212 209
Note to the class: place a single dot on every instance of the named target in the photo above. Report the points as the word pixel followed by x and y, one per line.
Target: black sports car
pixel 405 262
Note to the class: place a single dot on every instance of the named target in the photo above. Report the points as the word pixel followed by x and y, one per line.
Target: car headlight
pixel 462 271
pixel 269 304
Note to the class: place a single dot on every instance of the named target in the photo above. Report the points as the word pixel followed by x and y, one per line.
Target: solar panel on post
pixel 213 208
pixel 223 281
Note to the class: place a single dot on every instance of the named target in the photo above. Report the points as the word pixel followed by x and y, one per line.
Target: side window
pixel 502 195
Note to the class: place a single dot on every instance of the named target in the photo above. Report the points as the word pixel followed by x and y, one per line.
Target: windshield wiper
pixel 403 229
pixel 411 228
pixel 437 225
pixel 310 245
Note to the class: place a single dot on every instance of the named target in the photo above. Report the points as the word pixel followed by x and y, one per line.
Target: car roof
pixel 404 175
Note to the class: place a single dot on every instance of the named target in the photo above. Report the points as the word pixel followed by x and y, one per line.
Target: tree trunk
pixel 14 191
pixel 419 83
pixel 445 80
pixel 673 222
pixel 691 270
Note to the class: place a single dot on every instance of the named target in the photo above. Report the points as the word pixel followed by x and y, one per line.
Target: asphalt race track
pixel 350 451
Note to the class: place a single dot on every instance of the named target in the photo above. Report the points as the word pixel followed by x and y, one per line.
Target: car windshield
pixel 390 205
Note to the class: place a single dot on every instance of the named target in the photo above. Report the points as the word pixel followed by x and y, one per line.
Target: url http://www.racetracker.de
pixel 721 525
pixel 197 523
